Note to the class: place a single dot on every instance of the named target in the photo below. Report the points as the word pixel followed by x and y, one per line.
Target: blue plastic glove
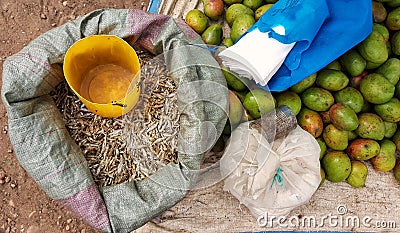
pixel 323 30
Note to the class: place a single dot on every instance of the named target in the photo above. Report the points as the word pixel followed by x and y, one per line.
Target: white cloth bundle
pixel 256 56
pixel 271 178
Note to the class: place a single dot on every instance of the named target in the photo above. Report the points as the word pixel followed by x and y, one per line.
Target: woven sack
pixel 45 149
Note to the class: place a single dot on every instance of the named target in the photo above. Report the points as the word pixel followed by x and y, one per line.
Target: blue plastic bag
pixel 323 30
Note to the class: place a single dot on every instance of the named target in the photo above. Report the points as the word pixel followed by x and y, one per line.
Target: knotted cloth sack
pixel 45 149
pixel 271 178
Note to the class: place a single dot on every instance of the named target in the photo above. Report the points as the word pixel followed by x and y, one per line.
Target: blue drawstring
pixel 278 178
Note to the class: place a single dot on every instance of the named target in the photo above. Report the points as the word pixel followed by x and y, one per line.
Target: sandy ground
pixel 24 207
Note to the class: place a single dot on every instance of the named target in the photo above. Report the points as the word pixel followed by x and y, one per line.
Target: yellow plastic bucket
pixel 104 72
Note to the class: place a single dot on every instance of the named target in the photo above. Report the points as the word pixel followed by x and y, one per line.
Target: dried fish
pixel 136 145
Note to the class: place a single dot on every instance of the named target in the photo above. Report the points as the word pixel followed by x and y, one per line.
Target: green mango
pixel 335 65
pixel 390 129
pixel 235 108
pixel 390 70
pixel 212 35
pixel 373 48
pixel 325 117
pixel 261 10
pixel 358 174
pixel 393 20
pixel 241 95
pixel 227 128
pixel 322 146
pixel 396 171
pixel 230 2
pixel 197 20
pixel 397 90
pixel 241 24
pixel 317 99
pixel 304 84
pixel 379 12
pixel 235 10
pixel 337 166
pixel 234 81
pixel 258 102
pixel 335 138
pixel 353 62
pixel 363 149
pixel 386 159
pixel 322 177
pixel 382 30
pixel 290 99
pixel 253 4
pixel 310 121
pixel 352 135
pixel 213 9
pixel 332 80
pixel 351 97
pixel 376 88
pixel 227 41
pixel 395 43
pixel 396 139
pixel 370 126
pixel 343 117
pixel 393 3
pixel 389 111
pixel 371 65
pixel 271 1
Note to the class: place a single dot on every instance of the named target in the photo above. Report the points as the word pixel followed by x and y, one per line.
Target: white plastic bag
pixel 271 178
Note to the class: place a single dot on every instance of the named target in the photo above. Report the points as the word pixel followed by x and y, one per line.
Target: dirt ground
pixel 24 207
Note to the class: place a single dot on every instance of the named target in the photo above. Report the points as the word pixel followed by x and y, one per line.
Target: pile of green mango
pixel 351 106
pixel 246 102
pixel 240 15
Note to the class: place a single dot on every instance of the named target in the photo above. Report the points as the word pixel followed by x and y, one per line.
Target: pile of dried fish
pixel 133 146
